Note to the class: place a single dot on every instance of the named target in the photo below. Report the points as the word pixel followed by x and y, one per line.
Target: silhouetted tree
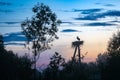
pixel 40 29
pixel 93 71
pixel 75 71
pixel 114 43
pixel 13 67
pixel 52 72
pixel 102 60
pixel 1 43
pixel 56 61
pixel 24 68
pixel 110 68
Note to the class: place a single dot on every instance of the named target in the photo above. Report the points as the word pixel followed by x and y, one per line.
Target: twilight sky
pixel 94 20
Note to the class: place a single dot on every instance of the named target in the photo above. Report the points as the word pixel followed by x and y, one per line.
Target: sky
pixel 66 10
pixel 92 20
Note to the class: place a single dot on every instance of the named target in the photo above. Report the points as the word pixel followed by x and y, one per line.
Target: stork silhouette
pixel 78 38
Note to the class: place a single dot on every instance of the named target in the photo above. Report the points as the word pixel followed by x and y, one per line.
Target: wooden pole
pixel 74 53
pixel 79 55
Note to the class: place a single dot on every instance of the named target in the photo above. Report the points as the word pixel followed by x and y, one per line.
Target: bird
pixel 78 38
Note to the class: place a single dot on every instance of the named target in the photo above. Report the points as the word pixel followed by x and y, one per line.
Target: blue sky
pixel 73 13
pixel 18 10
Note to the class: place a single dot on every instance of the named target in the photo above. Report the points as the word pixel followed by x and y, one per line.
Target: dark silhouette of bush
pixel 75 71
pixel 53 71
pixel 110 68
pixel 13 67
pixel 59 70
pixel 1 43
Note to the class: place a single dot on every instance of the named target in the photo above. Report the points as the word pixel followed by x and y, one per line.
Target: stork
pixel 78 38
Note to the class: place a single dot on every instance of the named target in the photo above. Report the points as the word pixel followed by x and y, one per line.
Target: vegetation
pixel 106 67
pixel 110 65
pixel 13 67
pixel 53 71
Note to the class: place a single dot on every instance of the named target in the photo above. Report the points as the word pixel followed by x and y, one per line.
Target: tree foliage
pixel 108 62
pixel 41 28
pixel 1 42
pixel 13 67
pixel 56 61
pixel 53 71
pixel 114 43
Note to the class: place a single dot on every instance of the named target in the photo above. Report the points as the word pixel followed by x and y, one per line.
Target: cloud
pixel 99 24
pixel 65 11
pixel 88 11
pixel 111 13
pixel 103 4
pixel 9 22
pixel 89 17
pixel 115 21
pixel 84 11
pixel 110 5
pixel 96 16
pixel 68 22
pixel 20 44
pixel 5 3
pixel 6 10
pixel 98 3
pixel 11 37
pixel 69 30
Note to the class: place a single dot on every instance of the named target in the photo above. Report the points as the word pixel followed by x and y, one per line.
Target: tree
pixel 41 29
pixel 114 43
pixel 13 67
pixel 109 64
pixel 56 61
pixel 102 60
pixel 1 43
pixel 52 72
pixel 113 67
